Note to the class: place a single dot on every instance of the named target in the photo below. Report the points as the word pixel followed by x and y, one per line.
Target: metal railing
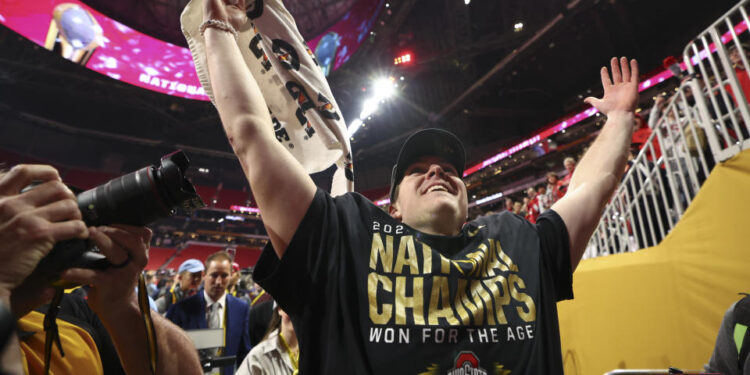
pixel 707 120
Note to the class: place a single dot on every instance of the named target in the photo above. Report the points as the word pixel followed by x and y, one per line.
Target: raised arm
pixel 279 184
pixel 600 170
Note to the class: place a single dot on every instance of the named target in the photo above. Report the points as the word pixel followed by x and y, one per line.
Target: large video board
pixel 82 35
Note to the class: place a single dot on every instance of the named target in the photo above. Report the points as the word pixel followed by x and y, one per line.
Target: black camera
pixel 137 198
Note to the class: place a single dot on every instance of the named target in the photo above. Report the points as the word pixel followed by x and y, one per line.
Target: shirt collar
pixel 273 343
pixel 222 300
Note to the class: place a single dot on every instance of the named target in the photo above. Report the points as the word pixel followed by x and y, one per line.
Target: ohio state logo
pixel 467 363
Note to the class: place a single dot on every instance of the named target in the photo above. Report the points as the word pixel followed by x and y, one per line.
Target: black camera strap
pixel 52 334
pixel 147 322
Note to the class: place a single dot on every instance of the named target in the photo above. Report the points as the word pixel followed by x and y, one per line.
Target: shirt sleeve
pixel 555 248
pixel 310 259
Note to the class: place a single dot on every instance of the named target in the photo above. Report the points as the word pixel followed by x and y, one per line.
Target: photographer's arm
pixel 30 224
pixel 600 170
pixel 176 353
pixel 112 297
pixel 280 185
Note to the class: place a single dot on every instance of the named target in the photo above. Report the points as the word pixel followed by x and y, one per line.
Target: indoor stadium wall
pixel 662 306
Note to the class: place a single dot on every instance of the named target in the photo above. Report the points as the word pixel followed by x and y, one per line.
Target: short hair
pixel 569 158
pixel 219 255
pixel 552 174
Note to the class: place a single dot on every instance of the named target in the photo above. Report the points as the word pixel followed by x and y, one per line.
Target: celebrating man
pixel 415 290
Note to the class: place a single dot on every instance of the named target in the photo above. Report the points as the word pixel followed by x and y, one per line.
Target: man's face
pixel 430 190
pixel 734 56
pixel 530 192
pixel 570 165
pixel 190 280
pixel 217 278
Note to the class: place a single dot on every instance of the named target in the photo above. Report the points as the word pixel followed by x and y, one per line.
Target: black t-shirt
pixel 370 295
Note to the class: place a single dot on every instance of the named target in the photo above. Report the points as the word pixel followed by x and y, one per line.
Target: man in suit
pixel 212 307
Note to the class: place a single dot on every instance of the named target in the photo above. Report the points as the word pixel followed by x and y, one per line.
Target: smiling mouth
pixel 437 188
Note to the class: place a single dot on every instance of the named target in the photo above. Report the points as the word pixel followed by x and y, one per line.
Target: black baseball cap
pixel 428 142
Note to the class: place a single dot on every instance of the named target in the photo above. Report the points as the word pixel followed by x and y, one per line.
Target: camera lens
pixel 141 197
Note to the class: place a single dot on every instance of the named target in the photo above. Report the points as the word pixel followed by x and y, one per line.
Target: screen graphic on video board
pixel 82 35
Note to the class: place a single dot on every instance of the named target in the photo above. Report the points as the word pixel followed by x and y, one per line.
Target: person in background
pixel 278 351
pixel 190 275
pixel 234 282
pixel 740 70
pixel 732 341
pixel 641 134
pixel 554 187
pixel 212 307
pixel 543 201
pixel 518 208
pixel 532 206
pixel 509 204
pixel 570 166
pixel 153 290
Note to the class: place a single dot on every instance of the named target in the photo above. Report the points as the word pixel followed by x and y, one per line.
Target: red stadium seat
pixel 245 256
pixel 228 197
pixel 157 256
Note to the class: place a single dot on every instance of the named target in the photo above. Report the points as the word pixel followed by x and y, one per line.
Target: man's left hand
pixel 621 92
pixel 114 287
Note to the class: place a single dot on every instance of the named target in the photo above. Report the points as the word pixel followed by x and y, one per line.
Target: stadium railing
pixel 707 120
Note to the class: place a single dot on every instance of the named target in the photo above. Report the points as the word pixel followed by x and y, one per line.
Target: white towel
pixel 306 118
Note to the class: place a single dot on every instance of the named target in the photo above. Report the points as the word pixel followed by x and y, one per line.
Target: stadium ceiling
pixel 472 73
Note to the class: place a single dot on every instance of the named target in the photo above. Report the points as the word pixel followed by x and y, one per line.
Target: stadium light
pixel 383 88
pixel 368 108
pixel 354 126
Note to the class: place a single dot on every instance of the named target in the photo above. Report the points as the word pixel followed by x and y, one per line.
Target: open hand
pixel 113 287
pixel 231 11
pixel 621 92
pixel 33 221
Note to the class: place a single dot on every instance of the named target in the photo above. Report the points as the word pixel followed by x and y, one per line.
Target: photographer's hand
pixel 114 287
pixel 112 298
pixel 32 222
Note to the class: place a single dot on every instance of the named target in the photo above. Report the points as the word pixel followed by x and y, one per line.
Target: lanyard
pixel 292 358
pixel 262 292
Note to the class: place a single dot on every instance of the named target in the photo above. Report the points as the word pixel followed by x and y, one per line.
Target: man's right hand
pixel 231 11
pixel 33 221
